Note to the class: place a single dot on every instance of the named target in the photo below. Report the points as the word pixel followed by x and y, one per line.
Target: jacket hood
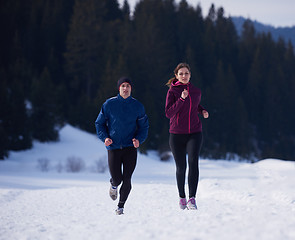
pixel 176 83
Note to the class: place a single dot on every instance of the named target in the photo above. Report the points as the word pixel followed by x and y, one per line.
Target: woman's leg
pixel 193 149
pixel 177 144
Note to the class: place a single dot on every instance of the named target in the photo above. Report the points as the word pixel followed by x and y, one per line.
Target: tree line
pixel 61 59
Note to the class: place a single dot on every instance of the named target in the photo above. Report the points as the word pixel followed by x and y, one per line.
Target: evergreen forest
pixel 61 59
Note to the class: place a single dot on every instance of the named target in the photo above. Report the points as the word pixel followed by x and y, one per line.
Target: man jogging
pixel 122 125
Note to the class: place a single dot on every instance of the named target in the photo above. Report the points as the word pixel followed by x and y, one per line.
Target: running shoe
pixel 119 211
pixel 191 204
pixel 113 192
pixel 182 203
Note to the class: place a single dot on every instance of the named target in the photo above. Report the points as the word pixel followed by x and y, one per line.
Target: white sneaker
pixel 120 211
pixel 182 203
pixel 191 204
pixel 113 192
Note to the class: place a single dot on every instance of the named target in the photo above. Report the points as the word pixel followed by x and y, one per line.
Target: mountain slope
pixel 287 33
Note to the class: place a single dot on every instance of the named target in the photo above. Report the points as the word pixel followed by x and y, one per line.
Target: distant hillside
pixel 287 33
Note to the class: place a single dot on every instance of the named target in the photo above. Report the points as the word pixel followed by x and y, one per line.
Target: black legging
pixel 117 158
pixel 182 144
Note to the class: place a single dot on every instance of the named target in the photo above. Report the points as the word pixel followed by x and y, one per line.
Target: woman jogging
pixel 122 125
pixel 182 108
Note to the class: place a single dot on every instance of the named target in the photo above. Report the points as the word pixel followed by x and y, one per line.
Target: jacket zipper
pixel 190 110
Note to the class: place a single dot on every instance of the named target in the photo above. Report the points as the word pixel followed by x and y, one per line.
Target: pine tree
pixel 153 51
pixel 17 78
pixel 228 125
pixel 126 9
pixel 210 59
pixel 85 42
pixel 4 140
pixel 226 38
pixel 16 121
pixel 246 50
pixel 43 116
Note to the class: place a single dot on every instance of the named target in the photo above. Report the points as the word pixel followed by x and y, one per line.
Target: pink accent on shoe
pixel 182 203
pixel 192 200
pixel 191 204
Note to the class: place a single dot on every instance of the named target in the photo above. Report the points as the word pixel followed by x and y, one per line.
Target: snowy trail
pixel 260 206
pixel 235 200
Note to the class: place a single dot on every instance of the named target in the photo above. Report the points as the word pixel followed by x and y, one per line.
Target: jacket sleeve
pixel 101 125
pixel 142 126
pixel 173 105
pixel 200 109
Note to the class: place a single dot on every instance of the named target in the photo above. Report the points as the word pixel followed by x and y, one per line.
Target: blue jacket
pixel 122 120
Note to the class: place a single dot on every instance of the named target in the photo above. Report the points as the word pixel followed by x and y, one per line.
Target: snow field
pixel 235 200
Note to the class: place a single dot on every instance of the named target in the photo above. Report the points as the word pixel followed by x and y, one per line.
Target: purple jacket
pixel 183 113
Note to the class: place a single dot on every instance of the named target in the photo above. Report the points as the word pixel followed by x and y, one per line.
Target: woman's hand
pixel 184 94
pixel 135 142
pixel 205 114
pixel 108 142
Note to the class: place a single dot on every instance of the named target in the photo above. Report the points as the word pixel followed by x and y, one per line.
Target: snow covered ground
pixel 235 200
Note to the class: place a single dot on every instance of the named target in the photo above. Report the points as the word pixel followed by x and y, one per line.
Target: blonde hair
pixel 179 66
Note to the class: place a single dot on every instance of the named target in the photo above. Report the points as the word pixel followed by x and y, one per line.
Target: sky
pixel 236 200
pixel 278 13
